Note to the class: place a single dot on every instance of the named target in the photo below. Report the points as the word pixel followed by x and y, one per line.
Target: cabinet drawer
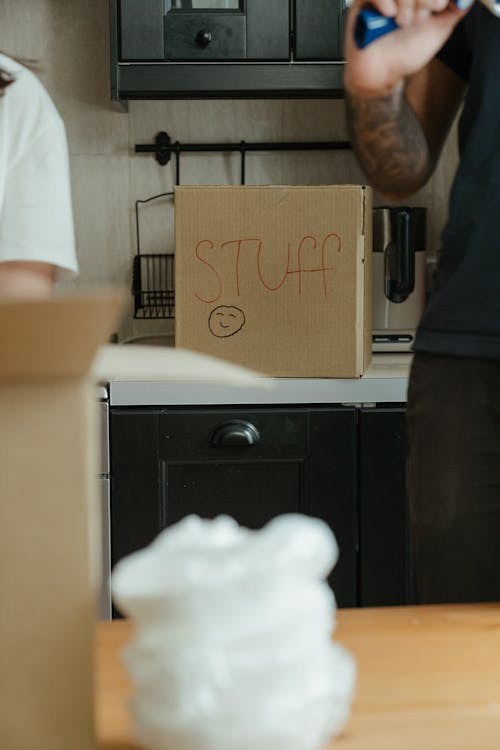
pixel 221 434
pixel 205 36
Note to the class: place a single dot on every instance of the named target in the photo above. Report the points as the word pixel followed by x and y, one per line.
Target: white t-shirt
pixel 36 218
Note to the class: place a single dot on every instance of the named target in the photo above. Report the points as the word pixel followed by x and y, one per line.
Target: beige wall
pixel 69 38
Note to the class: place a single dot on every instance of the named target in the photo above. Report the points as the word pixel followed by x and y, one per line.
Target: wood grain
pixel 428 679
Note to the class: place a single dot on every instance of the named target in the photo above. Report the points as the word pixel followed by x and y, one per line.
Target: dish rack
pixel 153 285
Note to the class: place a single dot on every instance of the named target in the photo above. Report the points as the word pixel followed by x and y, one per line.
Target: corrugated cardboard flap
pixel 151 363
pixel 55 338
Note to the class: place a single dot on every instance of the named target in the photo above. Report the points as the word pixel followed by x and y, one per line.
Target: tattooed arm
pixel 401 101
pixel 397 137
pixel 389 143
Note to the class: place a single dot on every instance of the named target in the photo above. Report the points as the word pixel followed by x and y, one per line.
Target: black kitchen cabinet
pixel 252 464
pixel 177 49
pixel 346 465
pixel 385 558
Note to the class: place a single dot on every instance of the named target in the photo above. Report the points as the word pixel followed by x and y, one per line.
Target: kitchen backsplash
pixel 70 46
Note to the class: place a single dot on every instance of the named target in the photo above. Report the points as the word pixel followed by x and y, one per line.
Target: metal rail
pixel 163 148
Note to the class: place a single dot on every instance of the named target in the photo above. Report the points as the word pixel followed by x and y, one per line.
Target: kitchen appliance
pixel 399 275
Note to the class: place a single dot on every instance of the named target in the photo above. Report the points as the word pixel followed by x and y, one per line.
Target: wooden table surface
pixel 428 679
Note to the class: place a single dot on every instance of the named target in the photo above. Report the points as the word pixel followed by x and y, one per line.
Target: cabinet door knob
pixel 235 433
pixel 203 38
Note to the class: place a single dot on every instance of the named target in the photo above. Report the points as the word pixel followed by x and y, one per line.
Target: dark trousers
pixel 454 477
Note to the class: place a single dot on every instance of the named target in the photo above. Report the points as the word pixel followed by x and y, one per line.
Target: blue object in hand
pixel 370 25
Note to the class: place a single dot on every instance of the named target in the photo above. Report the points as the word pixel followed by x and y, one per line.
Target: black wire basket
pixel 153 286
pixel 152 277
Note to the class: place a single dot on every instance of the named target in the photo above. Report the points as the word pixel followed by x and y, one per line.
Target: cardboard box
pixel 276 278
pixel 49 519
pixel 49 506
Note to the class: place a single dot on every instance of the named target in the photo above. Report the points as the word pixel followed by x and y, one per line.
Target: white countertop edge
pixel 385 381
pixel 281 391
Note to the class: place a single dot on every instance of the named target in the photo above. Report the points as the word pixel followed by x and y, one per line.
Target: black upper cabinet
pixel 174 49
pixel 173 31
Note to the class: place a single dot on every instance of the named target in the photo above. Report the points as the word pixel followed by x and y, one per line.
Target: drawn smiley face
pixel 225 321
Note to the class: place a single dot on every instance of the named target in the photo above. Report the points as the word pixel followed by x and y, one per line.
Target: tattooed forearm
pixel 389 143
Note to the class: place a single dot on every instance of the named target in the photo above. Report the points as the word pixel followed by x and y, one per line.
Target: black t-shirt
pixel 463 314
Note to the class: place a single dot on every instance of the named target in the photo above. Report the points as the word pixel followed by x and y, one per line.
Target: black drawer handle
pixel 235 433
pixel 203 38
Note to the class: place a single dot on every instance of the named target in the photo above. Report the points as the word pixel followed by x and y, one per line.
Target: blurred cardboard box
pixel 276 278
pixel 50 545
pixel 49 519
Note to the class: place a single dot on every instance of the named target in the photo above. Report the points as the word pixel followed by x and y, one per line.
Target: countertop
pixel 428 679
pixel 385 381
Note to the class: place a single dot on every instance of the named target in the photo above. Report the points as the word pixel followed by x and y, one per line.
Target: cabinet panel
pixel 141 30
pixel 268 30
pixel 205 36
pixel 251 492
pixel 319 29
pixel 192 433
pixel 385 560
pixel 332 491
pixel 134 480
pixel 165 464
pixel 304 461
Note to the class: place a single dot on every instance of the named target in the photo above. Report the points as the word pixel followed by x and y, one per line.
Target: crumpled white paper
pixel 233 648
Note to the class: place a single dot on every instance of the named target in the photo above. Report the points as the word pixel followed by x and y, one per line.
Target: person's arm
pixel 401 101
pixel 25 279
